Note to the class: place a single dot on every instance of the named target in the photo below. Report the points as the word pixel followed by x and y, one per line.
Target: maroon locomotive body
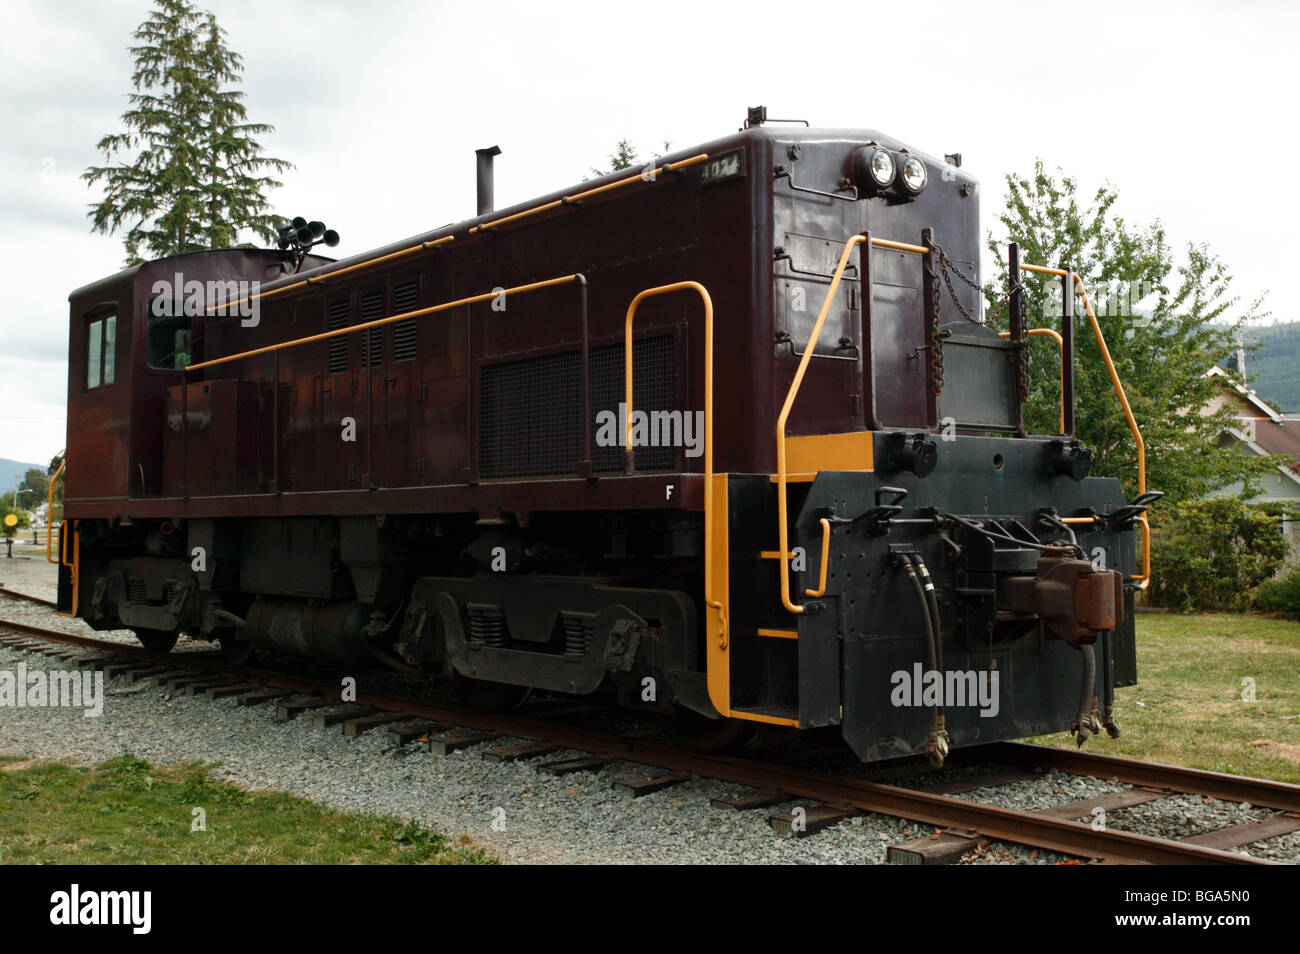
pixel 419 457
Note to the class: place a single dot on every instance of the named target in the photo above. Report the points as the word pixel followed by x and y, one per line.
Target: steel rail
pixel 14 594
pixel 1265 793
pixel 943 811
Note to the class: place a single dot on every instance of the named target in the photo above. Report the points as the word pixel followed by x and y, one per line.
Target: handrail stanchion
pixel 49 511
pixel 1016 332
pixel 1055 336
pixel 1067 354
pixel 710 598
pixel 185 432
pixel 275 428
pixel 585 465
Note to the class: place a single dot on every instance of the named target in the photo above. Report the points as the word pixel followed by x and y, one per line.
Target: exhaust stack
pixel 484 168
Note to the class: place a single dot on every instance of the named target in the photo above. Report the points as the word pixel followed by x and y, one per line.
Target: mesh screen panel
pixel 530 410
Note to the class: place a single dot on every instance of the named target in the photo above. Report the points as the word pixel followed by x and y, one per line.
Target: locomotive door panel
pixel 396 468
pixel 830 398
pixel 339 428
pixel 897 386
pixel 439 416
pixel 372 394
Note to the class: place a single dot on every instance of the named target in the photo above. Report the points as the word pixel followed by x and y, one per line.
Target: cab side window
pixel 101 351
pixel 169 334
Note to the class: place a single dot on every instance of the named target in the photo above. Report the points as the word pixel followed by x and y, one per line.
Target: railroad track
pixel 26 597
pixel 961 824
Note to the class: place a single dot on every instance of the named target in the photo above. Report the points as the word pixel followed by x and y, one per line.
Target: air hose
pixel 937 745
pixel 1084 723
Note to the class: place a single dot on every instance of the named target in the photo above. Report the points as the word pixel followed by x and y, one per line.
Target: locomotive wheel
pixel 688 729
pixel 483 696
pixel 157 640
pixel 238 651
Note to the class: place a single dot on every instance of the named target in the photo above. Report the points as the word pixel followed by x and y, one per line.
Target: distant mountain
pixel 1275 365
pixel 11 470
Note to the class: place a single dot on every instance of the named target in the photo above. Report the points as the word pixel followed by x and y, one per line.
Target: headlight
pixel 882 167
pixel 913 177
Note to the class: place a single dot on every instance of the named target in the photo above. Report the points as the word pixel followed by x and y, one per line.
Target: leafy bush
pixel 1280 595
pixel 1210 554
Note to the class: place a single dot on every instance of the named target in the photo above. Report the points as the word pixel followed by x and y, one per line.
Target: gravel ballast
pixel 511 809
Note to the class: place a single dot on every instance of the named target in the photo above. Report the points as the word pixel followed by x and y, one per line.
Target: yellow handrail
pixel 473 230
pixel 1144 578
pixel 782 505
pixel 445 306
pixel 578 197
pixel 826 558
pixel 1060 345
pixel 49 512
pixel 345 270
pixel 710 598
pixel 1119 388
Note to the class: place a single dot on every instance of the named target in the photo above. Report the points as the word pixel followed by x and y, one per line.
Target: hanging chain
pixel 945 269
pixel 1022 344
pixel 936 334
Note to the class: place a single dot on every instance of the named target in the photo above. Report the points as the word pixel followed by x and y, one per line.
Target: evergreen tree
pixel 1165 322
pixel 624 156
pixel 197 178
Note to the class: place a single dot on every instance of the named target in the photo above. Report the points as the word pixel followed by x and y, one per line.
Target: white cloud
pixel 1182 106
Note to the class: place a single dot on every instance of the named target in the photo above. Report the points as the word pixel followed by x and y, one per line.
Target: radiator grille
pixel 405 297
pixel 530 410
pixel 372 341
pixel 654 388
pixel 338 347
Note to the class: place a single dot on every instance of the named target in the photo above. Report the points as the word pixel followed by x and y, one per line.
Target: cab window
pixel 169 335
pixel 101 351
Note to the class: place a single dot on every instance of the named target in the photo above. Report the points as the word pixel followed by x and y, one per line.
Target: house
pixel 1259 429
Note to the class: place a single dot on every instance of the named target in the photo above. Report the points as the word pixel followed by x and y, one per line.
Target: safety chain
pixel 946 264
pixel 1022 344
pixel 947 267
pixel 936 335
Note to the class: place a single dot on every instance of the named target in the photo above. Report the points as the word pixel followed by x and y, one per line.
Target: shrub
pixel 1210 554
pixel 1280 595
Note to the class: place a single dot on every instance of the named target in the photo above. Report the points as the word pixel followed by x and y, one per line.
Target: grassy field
pixel 1188 707
pixel 127 812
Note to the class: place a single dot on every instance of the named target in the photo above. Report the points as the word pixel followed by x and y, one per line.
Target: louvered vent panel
pixel 405 298
pixel 372 342
pixel 338 347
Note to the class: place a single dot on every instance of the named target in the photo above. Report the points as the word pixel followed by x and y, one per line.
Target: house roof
pixel 1273 433
pixel 1253 399
pixel 1280 437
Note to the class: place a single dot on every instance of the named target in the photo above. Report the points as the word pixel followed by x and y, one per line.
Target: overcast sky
pixel 1187 108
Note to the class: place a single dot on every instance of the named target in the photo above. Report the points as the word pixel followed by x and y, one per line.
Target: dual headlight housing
pixel 884 172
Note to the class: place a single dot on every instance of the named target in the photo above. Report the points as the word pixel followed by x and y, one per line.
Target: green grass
pixel 126 812
pixel 1187 708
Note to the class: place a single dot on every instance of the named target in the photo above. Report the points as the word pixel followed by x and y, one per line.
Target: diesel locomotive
pixel 727 437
